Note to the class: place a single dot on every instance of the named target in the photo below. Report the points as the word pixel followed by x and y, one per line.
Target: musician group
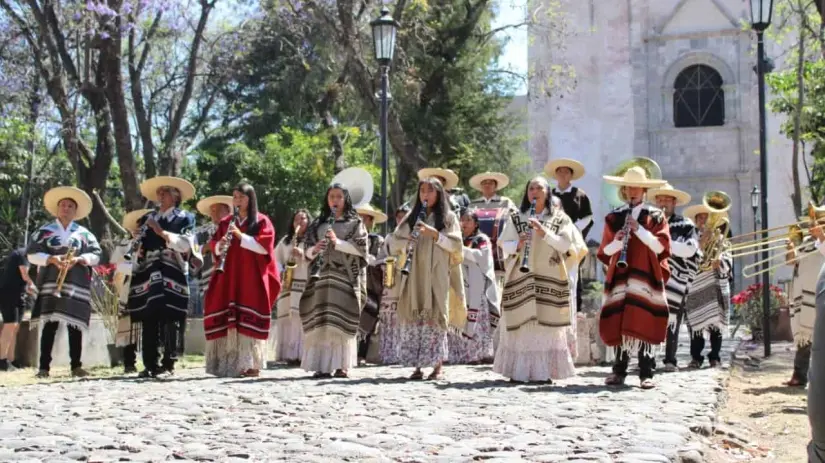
pixel 487 281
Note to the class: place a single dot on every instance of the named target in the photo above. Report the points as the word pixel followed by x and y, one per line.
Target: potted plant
pixel 747 306
pixel 105 302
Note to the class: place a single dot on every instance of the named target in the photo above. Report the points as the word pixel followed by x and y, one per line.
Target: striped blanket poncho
pixel 803 292
pixel 684 244
pixel 708 302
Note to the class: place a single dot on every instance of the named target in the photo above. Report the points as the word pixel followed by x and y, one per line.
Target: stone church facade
pixel 671 80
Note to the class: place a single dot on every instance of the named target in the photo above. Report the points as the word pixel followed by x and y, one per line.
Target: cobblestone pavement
pixel 375 415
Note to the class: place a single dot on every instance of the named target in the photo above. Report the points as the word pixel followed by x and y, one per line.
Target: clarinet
pixel 622 262
pixel 414 233
pixel 525 258
pixel 319 261
pixel 137 243
pixel 236 212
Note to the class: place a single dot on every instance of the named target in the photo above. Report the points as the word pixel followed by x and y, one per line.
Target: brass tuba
pixel 613 193
pixel 715 233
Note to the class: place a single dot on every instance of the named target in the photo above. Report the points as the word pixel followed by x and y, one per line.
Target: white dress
pixel 285 342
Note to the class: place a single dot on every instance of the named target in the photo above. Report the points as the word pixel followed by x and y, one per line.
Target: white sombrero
pixel 57 194
pixel 377 215
pixel 130 220
pixel 572 164
pixel 150 186
pixel 501 180
pixel 635 176
pixel 450 177
pixel 682 197
pixel 205 204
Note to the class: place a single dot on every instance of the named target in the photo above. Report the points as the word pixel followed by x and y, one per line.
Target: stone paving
pixel 375 415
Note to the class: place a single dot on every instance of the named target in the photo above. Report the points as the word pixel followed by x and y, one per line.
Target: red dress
pixel 242 296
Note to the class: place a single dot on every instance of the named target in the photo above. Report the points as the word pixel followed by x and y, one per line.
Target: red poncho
pixel 635 307
pixel 242 296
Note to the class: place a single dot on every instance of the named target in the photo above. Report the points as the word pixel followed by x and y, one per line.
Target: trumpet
pixel 795 237
pixel 64 270
pixel 414 234
pixel 319 260
pixel 236 212
pixel 525 258
pixel 291 263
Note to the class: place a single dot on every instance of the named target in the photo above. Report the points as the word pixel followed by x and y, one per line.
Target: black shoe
pixel 4 365
pixel 146 374
pixel 42 374
pixel 129 370
pixel 17 365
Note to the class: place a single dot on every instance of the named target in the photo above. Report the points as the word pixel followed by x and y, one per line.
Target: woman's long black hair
pixel 441 208
pixel 252 212
pixel 326 211
pixel 525 200
pixel 291 232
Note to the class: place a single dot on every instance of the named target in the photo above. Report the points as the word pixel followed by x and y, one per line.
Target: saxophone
pixel 525 258
pixel 389 272
pixel 64 270
pixel 319 260
pixel 291 263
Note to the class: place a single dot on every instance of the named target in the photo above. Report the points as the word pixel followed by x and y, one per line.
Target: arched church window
pixel 698 97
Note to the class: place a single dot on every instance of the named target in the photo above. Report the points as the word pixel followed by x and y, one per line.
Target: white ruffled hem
pixel 534 353
pixel 233 354
pixel 289 340
pixel 326 351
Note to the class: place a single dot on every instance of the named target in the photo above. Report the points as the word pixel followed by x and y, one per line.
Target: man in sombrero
pixel 635 247
pixel 449 180
pixel 489 184
pixel 159 293
pixel 574 201
pixel 375 280
pixel 64 245
pixel 215 208
pixel 683 263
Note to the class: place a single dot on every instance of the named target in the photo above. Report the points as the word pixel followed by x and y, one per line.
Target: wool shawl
pixel 480 285
pixel 541 295
pixel 803 292
pixel 290 298
pixel 682 269
pixel 333 300
pixel 241 297
pixel 708 302
pixel 203 236
pixel 496 202
pixel 634 312
pixel 73 307
pixel 576 205
pixel 433 292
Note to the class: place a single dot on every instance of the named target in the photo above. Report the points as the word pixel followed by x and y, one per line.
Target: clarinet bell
pixel 621 264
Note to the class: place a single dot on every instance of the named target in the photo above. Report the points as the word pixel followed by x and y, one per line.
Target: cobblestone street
pixel 374 416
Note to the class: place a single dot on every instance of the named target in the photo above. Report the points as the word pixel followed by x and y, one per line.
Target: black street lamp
pixel 384 29
pixel 761 11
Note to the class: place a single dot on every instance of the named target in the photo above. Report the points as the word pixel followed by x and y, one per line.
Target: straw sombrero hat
pixel 572 164
pixel 130 220
pixel 150 186
pixel 377 215
pixel 682 197
pixel 691 212
pixel 57 194
pixel 450 177
pixel 635 176
pixel 501 180
pixel 205 204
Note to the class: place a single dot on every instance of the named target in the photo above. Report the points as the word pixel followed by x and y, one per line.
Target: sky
pixel 515 53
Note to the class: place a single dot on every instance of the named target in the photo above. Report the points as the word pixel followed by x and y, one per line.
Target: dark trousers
pixel 364 346
pixel 130 356
pixel 801 362
pixel 159 335
pixel 47 343
pixel 623 361
pixel 672 342
pixel 697 343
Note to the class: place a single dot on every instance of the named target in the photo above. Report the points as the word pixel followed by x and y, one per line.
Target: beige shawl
pixel 434 290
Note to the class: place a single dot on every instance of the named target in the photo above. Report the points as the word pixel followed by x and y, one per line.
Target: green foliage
pixel 812 124
pixel 291 170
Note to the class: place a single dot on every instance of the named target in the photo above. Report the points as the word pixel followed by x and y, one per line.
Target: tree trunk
pixel 34 114
pixel 796 197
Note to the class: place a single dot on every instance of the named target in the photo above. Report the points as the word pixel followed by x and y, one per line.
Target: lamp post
pixel 384 29
pixel 755 206
pixel 761 11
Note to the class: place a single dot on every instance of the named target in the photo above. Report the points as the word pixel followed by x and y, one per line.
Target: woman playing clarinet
pixel 541 246
pixel 432 291
pixel 239 299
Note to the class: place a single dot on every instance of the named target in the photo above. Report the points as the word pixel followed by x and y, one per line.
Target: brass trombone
pixel 795 237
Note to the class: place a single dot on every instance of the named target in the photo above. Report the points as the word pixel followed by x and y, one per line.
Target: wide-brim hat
pixel 377 215
pixel 501 180
pixel 572 164
pixel 130 220
pixel 682 197
pixel 150 186
pixel 205 204
pixel 691 212
pixel 635 176
pixel 450 177
pixel 53 197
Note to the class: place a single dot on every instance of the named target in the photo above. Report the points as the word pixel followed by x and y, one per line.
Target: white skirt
pixel 534 353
